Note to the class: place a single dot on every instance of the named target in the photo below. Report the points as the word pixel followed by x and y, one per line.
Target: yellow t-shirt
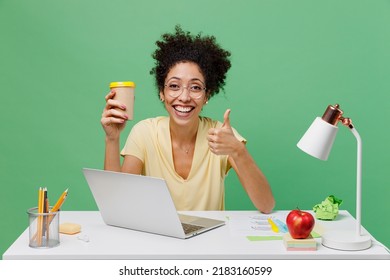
pixel 150 141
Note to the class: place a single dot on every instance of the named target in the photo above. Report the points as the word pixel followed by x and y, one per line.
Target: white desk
pixel 107 242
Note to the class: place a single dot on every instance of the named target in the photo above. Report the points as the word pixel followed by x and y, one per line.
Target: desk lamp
pixel 317 142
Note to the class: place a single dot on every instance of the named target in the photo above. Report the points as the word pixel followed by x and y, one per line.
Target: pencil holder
pixel 43 228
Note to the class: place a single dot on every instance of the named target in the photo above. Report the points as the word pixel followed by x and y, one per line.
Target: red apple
pixel 300 223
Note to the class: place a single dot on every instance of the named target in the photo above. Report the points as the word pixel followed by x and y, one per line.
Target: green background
pixel 291 59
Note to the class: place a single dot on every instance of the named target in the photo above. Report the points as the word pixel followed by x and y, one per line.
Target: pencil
pixel 60 201
pixel 39 200
pixel 58 205
pixel 47 220
pixel 41 195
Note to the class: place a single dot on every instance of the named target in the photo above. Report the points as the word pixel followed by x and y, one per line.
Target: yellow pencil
pixel 60 201
pixel 41 202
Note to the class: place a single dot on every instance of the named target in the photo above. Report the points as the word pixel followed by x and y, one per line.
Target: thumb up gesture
pixel 222 140
pixel 226 120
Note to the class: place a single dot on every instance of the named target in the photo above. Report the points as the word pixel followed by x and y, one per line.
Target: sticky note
pixel 70 228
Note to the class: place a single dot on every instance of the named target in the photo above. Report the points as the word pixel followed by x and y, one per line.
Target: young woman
pixel 191 152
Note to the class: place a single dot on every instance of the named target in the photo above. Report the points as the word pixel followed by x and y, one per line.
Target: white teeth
pixel 183 109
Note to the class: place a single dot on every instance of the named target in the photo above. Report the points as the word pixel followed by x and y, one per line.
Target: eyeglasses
pixel 175 89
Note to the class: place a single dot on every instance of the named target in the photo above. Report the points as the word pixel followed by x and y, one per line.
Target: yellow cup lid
pixel 122 84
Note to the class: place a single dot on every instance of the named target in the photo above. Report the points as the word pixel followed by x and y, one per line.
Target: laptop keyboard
pixel 188 228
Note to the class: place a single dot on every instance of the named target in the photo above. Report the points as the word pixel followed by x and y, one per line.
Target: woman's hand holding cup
pixel 114 116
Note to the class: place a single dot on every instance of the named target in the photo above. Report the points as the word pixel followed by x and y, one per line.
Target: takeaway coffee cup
pixel 125 94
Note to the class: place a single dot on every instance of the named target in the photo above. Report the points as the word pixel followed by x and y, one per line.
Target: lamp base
pixel 346 240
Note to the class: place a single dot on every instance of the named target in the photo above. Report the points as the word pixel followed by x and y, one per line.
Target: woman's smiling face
pixel 184 93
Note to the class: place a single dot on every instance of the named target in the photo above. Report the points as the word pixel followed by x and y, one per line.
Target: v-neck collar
pixel 200 148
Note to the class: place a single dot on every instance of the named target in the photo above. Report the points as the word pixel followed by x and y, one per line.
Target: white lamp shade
pixel 318 139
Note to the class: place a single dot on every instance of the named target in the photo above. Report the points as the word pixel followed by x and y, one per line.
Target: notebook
pixel 142 203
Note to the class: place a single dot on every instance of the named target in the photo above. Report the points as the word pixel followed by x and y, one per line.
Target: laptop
pixel 142 203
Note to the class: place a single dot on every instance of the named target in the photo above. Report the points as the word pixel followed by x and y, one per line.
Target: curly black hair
pixel 181 46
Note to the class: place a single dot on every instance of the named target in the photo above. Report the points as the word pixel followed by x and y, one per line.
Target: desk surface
pixel 107 242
